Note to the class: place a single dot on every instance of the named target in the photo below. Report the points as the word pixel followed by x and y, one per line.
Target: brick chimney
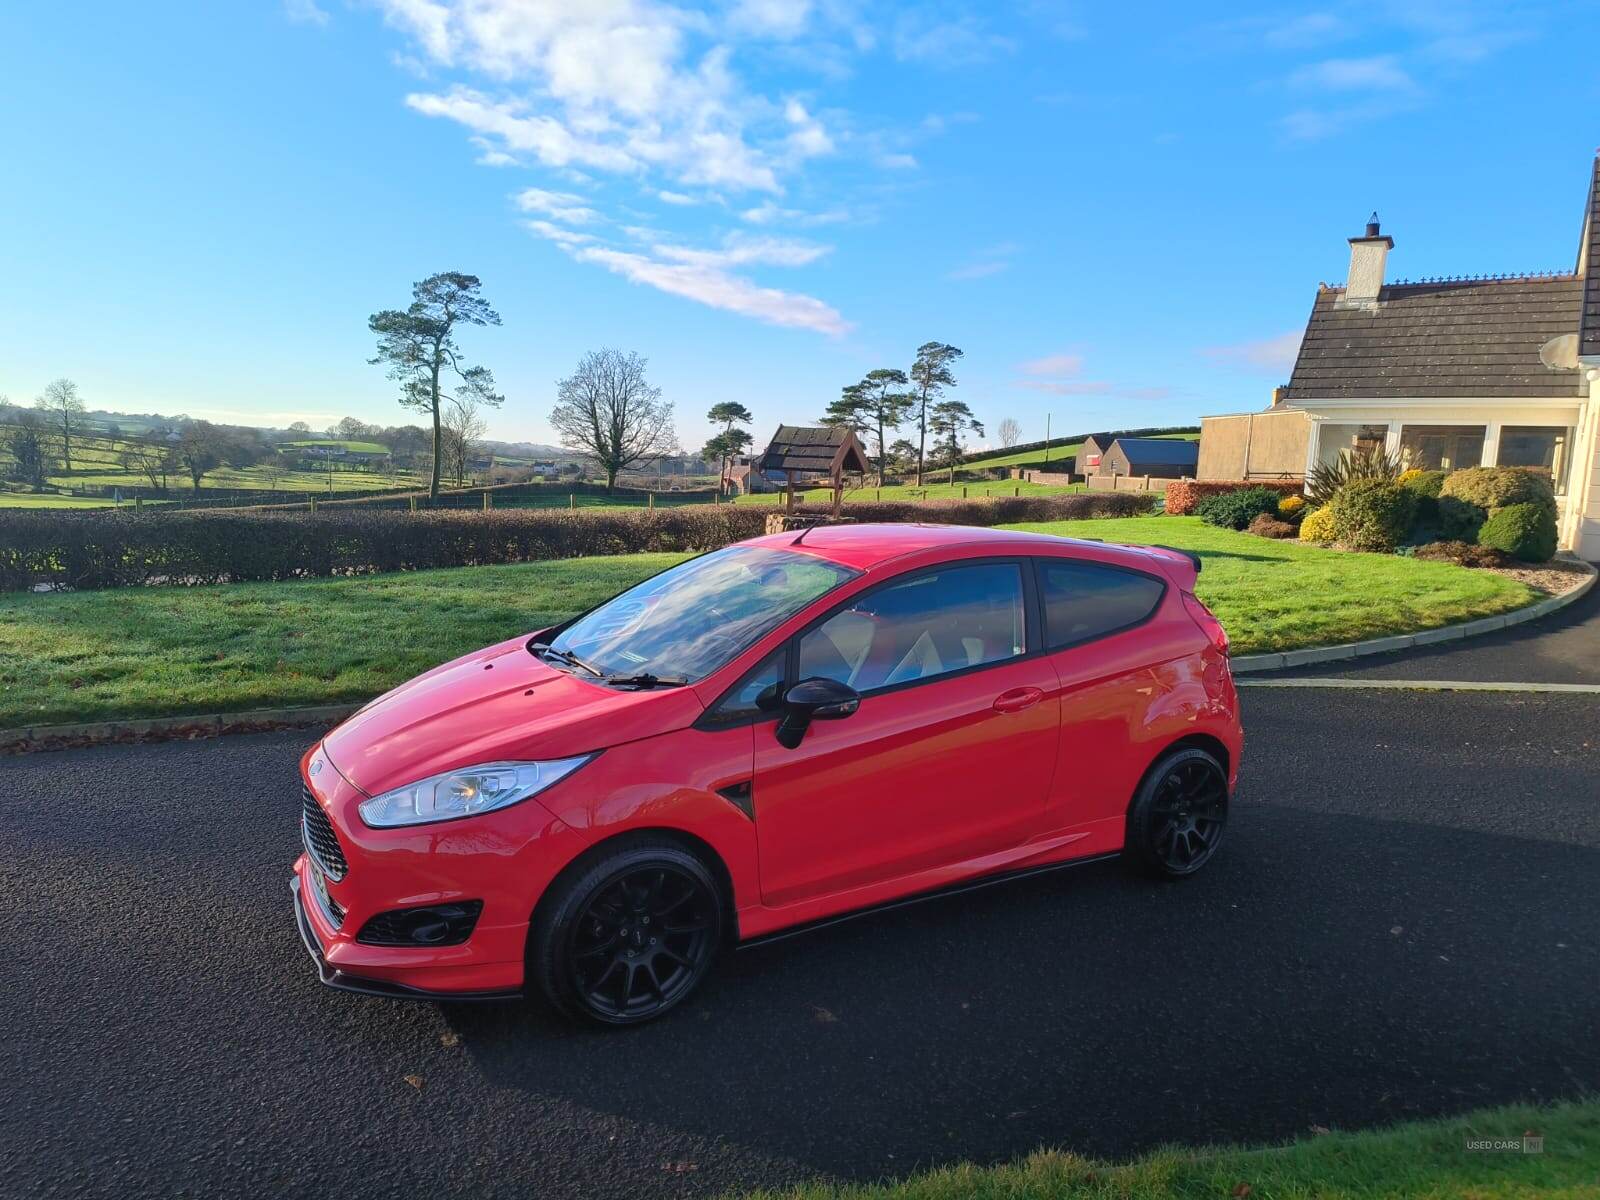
pixel 1368 253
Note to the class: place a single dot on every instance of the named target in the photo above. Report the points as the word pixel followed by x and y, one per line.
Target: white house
pixel 1458 372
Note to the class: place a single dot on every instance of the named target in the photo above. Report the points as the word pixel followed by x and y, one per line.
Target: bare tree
pixel 60 400
pixel 150 459
pixel 198 450
pixel 1010 432
pixel 464 426
pixel 609 409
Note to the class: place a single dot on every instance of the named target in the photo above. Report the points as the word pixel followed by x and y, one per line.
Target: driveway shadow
pixel 1327 970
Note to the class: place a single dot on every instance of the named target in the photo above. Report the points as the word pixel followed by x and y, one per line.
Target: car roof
pixel 865 546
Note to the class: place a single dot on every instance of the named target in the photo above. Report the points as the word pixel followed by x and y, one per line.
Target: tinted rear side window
pixel 1088 600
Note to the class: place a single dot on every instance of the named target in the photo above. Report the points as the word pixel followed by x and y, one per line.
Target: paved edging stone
pixel 1251 663
pixel 1427 685
pixel 93 733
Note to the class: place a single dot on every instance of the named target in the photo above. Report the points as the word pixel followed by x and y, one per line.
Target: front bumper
pixel 343 981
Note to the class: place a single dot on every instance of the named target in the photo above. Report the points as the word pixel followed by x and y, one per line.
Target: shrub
pixel 1372 514
pixel 1292 508
pixel 1524 531
pixel 110 548
pixel 1463 554
pixel 1268 526
pixel 1423 483
pixel 1455 519
pixel 1235 510
pixel 1318 525
pixel 1497 487
pixel 1326 479
pixel 1184 494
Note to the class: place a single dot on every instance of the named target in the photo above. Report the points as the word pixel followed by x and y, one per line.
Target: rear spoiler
pixel 1188 554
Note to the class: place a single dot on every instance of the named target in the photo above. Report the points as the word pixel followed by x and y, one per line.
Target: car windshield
pixel 687 621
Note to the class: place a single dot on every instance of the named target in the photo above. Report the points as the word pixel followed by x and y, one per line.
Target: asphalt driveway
pixel 1403 924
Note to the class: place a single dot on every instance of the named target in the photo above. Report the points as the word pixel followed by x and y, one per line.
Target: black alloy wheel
pixel 631 936
pixel 1176 821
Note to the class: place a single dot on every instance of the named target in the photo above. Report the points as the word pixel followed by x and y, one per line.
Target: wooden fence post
pixel 486 501
pixel 313 504
pixel 963 493
pixel 572 501
pixel 651 503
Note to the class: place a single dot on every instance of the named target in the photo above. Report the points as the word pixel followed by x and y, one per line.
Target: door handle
pixel 1017 699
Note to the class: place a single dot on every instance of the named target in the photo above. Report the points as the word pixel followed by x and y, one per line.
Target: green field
pixel 96 462
pixel 355 447
pixel 1423 1160
pixel 159 651
pixel 1061 451
pixel 51 500
pixel 933 491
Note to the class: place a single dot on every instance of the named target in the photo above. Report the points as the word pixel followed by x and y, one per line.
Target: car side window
pixel 757 695
pixel 926 626
pixel 1084 600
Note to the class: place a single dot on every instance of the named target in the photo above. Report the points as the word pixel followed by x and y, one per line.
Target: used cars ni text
pixel 779 732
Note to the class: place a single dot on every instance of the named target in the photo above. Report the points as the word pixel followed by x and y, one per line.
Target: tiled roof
pixel 1167 452
pixel 810 449
pixel 1464 338
pixel 1589 255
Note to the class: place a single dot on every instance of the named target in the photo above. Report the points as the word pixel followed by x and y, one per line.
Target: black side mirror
pixel 814 700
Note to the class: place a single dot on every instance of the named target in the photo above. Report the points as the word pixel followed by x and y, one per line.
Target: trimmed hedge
pixel 1497 487
pixel 108 548
pixel 1184 495
pixel 1235 510
pixel 1525 531
pixel 1463 554
pixel 1268 526
pixel 1372 514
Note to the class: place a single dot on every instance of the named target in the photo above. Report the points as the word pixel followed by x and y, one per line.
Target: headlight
pixel 467 792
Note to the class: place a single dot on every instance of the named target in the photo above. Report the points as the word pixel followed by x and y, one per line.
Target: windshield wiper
pixel 644 680
pixel 566 656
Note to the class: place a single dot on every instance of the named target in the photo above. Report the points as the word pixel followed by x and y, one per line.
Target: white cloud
pixel 562 206
pixel 305 12
pixel 1380 72
pixel 989 261
pixel 518 130
pixel 772 18
pixel 958 42
pixel 898 161
pixel 555 233
pixel 1052 365
pixel 768 213
pixel 677 198
pixel 738 250
pixel 1311 29
pixel 808 139
pixel 1265 354
pixel 717 288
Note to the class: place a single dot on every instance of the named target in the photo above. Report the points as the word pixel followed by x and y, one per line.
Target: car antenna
pixel 803 533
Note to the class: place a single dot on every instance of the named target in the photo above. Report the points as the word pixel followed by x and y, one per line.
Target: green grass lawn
pixel 933 491
pixel 1273 595
pixel 355 447
pixel 1424 1160
pixel 51 500
pixel 159 651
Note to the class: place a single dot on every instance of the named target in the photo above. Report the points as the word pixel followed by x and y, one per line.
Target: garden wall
pixel 109 548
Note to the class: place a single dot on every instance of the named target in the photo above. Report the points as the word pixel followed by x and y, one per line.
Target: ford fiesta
pixel 782 731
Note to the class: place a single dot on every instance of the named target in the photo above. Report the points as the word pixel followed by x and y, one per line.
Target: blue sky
pixel 1120 212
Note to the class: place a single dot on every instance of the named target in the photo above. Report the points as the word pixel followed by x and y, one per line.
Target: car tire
pixel 1178 816
pixel 626 933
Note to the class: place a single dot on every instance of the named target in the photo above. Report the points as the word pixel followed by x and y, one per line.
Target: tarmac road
pixel 1403 923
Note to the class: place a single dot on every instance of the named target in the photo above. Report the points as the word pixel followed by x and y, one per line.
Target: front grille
pixel 321 842
pixel 332 910
pixel 433 925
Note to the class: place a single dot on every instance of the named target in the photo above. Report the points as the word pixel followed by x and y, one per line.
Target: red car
pixel 785 730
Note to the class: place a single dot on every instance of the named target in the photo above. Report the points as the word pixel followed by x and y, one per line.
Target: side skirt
pixel 955 889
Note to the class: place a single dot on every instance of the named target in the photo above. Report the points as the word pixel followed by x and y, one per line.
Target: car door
pixel 949 755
